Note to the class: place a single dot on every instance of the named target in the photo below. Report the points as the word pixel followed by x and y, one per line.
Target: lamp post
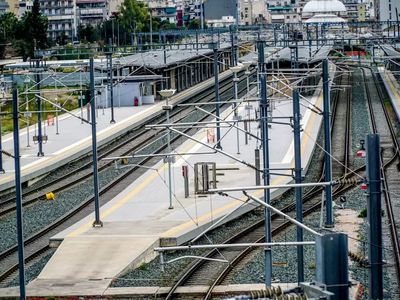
pixel 168 94
pixel 80 62
pixel 236 69
pixel 255 59
pixel 27 114
pixel 102 84
pixel 55 67
pixel 247 64
pixel 118 63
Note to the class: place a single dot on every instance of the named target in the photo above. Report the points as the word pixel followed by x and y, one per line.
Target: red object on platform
pixel 361 153
pixel 363 186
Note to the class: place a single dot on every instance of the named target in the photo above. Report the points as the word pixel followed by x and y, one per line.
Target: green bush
pixel 363 213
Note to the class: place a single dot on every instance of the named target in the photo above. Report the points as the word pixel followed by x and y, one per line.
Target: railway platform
pixel 74 138
pixel 138 219
pixel 392 87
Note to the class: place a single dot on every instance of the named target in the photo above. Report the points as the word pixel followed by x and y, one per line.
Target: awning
pixel 170 10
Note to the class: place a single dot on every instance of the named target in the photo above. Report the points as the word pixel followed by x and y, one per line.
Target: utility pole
pixel 110 66
pixel 265 149
pixel 374 216
pixel 39 105
pixel 235 94
pixel 18 196
pixel 201 15
pixel 217 95
pixel 327 132
pixel 151 30
pixel 297 178
pixel 92 101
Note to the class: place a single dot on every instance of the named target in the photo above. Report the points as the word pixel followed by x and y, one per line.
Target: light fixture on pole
pixel 167 107
pixel 235 70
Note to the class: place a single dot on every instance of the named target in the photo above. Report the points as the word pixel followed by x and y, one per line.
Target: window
pixel 294 17
pixel 390 7
pixel 288 17
pixel 245 16
pixel 246 8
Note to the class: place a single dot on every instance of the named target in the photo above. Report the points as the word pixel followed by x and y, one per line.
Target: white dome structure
pixel 324 6
pixel 325 19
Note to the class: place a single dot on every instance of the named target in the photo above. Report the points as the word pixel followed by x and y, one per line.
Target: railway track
pixel 390 154
pixel 38 243
pixel 212 273
pixel 84 172
pixel 341 134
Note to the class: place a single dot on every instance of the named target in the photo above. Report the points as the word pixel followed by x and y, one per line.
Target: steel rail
pixel 82 205
pixel 385 165
pixel 312 193
pixel 225 88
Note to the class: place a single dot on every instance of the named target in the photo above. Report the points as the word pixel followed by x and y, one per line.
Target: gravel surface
pixel 32 270
pixel 150 274
pixel 44 212
pixel 360 124
pixel 74 165
pixel 253 272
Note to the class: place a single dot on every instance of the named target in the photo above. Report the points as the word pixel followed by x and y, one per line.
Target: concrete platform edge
pixel 86 151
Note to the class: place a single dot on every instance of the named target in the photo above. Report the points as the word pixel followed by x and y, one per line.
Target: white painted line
pixel 35 162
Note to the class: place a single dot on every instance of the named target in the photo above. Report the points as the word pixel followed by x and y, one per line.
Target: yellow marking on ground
pixel 190 223
pixel 136 190
pixel 237 202
pixel 104 133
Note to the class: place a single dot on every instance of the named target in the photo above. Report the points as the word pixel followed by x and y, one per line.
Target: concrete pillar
pixel 178 71
pixel 196 73
pixel 190 77
pixel 201 71
pixel 172 78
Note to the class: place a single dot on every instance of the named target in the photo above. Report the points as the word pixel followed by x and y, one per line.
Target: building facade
pixel 61 15
pixel 389 10
pixel 13 6
pixel 4 6
pixel 254 12
pixel 91 12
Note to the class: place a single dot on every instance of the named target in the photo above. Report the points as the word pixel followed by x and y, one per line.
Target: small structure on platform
pixel 128 91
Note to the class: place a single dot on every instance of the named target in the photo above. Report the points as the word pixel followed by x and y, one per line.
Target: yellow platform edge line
pixel 105 133
pixel 185 225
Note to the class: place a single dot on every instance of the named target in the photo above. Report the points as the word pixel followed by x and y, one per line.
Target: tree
pixel 133 16
pixel 62 39
pixel 194 24
pixel 88 33
pixel 8 22
pixel 31 32
pixel 166 25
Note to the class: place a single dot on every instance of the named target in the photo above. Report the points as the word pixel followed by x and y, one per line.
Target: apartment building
pixel 13 6
pixel 389 10
pixel 254 12
pixel 91 12
pixel 61 15
pixel 4 6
